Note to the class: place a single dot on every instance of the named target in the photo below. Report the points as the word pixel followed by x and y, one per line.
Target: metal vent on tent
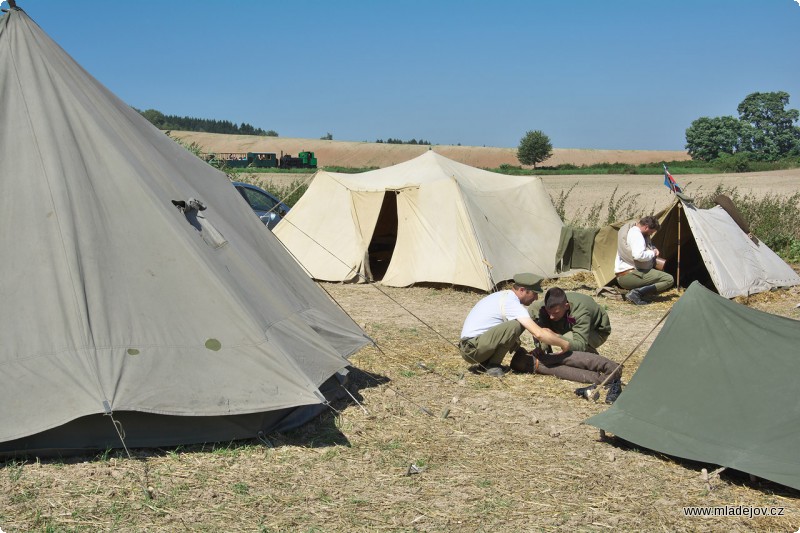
pixel 191 209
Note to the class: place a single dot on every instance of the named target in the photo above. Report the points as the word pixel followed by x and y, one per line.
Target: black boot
pixel 647 290
pixel 635 297
pixel 614 390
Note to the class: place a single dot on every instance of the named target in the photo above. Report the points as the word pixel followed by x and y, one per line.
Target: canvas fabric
pixel 575 248
pixel 116 300
pixel 718 385
pixel 455 224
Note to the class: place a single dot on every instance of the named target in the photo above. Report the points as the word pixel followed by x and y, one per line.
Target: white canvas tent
pixel 183 325
pixel 429 219
pixel 713 250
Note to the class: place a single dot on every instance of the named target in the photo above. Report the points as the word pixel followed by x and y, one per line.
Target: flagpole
pixel 669 181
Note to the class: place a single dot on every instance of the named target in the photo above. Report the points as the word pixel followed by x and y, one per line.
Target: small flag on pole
pixel 669 181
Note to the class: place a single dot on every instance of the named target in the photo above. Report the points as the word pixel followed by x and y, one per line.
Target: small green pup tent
pixel 140 295
pixel 718 385
pixel 430 219
pixel 713 249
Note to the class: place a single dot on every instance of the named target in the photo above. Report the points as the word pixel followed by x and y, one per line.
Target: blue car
pixel 263 203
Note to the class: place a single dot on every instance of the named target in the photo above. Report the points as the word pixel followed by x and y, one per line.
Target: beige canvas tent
pixel 123 300
pixel 713 250
pixel 429 219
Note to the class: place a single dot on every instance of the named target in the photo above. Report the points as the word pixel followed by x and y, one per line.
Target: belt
pixel 620 274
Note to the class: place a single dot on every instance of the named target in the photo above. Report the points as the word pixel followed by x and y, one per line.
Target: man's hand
pixel 541 334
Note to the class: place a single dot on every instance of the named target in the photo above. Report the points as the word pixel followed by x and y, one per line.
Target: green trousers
pixel 637 279
pixel 492 346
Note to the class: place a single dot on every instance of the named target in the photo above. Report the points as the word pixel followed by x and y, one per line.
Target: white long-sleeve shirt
pixel 639 250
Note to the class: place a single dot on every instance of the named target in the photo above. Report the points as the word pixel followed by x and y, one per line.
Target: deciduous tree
pixel 773 133
pixel 534 148
pixel 709 138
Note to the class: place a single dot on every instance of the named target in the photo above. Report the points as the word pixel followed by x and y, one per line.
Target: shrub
pixel 288 194
pixel 625 207
pixel 740 162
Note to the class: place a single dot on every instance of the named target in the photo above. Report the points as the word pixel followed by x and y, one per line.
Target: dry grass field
pixel 428 446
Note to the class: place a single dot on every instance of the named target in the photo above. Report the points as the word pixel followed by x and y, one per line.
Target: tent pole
pixel 678 272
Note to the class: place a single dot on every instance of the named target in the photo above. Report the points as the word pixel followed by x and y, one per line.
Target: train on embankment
pixel 262 160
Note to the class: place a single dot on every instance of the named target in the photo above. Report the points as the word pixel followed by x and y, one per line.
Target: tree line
pixel 764 131
pixel 398 141
pixel 174 122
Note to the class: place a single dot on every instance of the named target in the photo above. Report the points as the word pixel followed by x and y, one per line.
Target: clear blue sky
pixel 603 74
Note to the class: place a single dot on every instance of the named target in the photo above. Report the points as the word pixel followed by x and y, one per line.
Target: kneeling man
pixel 493 327
pixel 578 319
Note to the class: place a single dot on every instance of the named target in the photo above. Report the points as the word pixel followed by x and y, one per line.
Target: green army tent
pixel 429 219
pixel 123 299
pixel 718 385
pixel 712 249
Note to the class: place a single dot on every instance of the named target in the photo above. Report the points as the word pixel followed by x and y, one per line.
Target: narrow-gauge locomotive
pixel 263 160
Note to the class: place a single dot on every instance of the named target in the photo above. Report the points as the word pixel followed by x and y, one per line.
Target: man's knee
pixel 665 282
pixel 469 351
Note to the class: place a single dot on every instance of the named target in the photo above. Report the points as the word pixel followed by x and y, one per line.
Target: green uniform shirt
pixel 584 321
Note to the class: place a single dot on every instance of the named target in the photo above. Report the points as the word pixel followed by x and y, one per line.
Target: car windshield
pixel 257 199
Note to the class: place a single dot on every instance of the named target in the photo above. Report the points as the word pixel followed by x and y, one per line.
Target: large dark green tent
pixel 719 385
pixel 122 295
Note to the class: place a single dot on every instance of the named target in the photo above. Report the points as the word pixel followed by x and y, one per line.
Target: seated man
pixel 578 319
pixel 635 260
pixel 494 326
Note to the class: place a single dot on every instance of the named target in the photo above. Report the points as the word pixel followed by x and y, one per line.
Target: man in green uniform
pixel 576 317
pixel 579 320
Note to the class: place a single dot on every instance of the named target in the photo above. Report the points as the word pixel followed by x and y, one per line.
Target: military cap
pixel 532 282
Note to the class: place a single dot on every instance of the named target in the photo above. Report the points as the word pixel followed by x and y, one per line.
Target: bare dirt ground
pixel 428 447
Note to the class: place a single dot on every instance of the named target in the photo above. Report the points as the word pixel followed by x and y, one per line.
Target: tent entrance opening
pixel 692 265
pixel 384 238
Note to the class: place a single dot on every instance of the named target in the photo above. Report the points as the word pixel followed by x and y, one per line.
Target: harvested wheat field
pixel 640 194
pixel 428 447
pixel 370 154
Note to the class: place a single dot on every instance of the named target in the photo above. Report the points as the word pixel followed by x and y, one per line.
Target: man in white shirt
pixel 635 260
pixel 493 327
